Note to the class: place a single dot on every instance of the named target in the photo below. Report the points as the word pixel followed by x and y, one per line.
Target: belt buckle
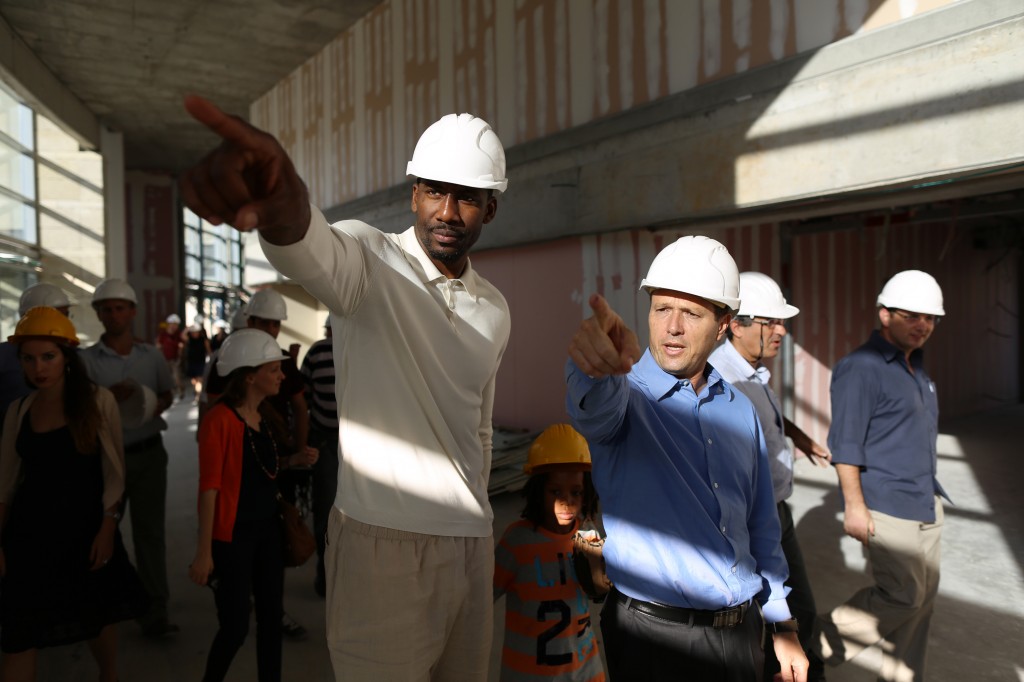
pixel 727 618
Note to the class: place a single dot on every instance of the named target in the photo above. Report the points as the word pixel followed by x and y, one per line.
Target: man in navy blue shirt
pixel 883 442
pixel 679 460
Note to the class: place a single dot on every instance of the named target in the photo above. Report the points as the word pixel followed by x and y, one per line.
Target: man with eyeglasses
pixel 883 440
pixel 752 337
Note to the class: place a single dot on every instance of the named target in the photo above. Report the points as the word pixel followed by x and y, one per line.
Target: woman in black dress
pixel 64 574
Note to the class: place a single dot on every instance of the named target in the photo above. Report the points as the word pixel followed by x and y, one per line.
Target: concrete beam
pixel 24 73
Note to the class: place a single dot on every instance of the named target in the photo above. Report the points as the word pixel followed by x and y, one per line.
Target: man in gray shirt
pixel 138 376
pixel 753 336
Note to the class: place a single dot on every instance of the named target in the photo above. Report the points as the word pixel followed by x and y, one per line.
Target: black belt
pixel 145 444
pixel 726 618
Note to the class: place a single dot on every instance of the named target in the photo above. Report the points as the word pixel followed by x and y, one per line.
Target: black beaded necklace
pixel 256 454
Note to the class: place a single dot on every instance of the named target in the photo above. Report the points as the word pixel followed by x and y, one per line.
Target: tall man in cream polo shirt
pixel 410 555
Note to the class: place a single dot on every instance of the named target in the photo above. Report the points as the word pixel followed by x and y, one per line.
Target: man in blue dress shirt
pixel 680 463
pixel 883 441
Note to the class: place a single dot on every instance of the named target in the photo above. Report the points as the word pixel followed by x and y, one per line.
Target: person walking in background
pixel 240 550
pixel 693 546
pixel 548 634
pixel 64 572
pixel 318 371
pixel 168 340
pixel 12 376
pixel 196 349
pixel 130 368
pixel 754 336
pixel 220 332
pixel 420 336
pixel 884 435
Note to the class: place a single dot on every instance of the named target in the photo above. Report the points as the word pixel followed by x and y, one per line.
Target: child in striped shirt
pixel 548 634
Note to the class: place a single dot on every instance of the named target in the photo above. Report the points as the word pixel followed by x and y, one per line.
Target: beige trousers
pixel 407 607
pixel 895 612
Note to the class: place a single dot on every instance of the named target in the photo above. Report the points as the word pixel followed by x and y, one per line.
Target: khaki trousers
pixel 894 613
pixel 405 606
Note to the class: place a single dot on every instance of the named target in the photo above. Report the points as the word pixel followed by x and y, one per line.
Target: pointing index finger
pixel 230 128
pixel 603 312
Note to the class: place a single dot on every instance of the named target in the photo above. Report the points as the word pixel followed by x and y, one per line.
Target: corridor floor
pixel 977 632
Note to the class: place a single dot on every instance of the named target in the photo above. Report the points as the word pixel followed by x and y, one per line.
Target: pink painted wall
pixel 973 355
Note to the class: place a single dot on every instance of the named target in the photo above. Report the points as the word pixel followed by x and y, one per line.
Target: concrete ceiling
pixel 131 61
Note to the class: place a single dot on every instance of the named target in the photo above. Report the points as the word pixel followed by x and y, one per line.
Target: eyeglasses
pixel 770 323
pixel 914 318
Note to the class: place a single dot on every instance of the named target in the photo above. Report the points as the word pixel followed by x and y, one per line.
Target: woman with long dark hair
pixel 65 574
pixel 240 551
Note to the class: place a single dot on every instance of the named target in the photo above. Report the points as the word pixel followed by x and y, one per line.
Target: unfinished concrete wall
pixel 351 115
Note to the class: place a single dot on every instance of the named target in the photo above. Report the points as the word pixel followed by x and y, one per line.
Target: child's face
pixel 563 497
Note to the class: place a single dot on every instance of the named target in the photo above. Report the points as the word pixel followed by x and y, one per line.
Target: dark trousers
pixel 146 496
pixel 800 598
pixel 252 563
pixel 642 647
pixel 325 487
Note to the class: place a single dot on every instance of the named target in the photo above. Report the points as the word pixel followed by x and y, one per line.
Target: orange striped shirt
pixel 548 635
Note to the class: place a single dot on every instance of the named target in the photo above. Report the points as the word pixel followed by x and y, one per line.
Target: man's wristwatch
pixel 116 514
pixel 784 626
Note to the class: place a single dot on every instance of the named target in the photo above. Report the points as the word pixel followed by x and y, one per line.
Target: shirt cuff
pixel 776 610
pixel 292 260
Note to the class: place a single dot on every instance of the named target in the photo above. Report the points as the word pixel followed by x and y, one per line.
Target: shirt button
pixel 723 529
pixel 733 569
pixel 709 441
pixel 716 485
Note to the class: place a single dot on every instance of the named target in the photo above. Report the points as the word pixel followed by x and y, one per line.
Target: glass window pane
pixel 193 268
pixel 17 219
pixel 63 150
pixel 16 120
pixel 16 172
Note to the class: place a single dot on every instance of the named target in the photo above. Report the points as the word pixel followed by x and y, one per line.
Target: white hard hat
pixel 247 348
pixel 239 319
pixel 762 297
pixel 267 304
pixel 699 266
pixel 139 407
pixel 460 149
pixel 173 319
pixel 42 293
pixel 913 291
pixel 114 289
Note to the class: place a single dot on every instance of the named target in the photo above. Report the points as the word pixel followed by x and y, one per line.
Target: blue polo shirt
pixel 885 420
pixel 685 488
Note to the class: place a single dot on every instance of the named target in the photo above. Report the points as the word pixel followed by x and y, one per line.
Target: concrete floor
pixel 977 633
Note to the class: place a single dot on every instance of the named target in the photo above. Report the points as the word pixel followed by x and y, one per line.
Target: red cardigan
pixel 221 443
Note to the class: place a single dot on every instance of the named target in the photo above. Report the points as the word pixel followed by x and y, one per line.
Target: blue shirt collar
pixel 890 352
pixel 660 384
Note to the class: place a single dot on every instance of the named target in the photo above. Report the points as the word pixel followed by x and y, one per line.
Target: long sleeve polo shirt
pixel 416 357
pixel 685 489
pixel 885 420
pixel 753 382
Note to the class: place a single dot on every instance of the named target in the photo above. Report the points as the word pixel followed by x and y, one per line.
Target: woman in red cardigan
pixel 240 551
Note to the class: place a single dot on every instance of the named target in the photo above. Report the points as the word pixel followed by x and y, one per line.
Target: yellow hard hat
pixel 558 444
pixel 47 323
